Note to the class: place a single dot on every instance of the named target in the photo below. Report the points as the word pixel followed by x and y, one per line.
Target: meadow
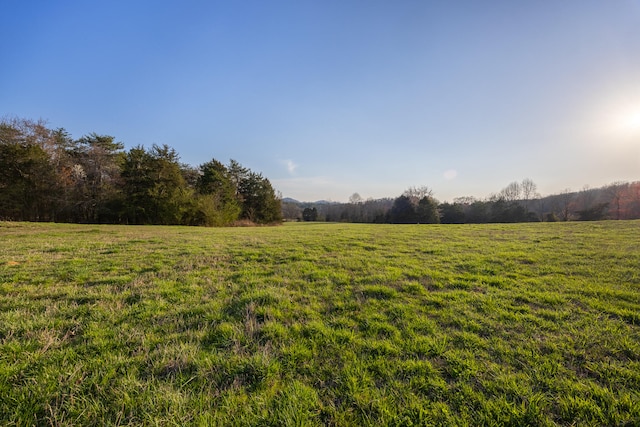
pixel 320 324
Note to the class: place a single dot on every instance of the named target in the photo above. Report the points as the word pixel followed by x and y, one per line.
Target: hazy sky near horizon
pixel 331 97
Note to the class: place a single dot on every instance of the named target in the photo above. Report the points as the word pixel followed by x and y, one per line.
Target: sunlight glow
pixel 626 122
pixel 629 122
pixel 621 126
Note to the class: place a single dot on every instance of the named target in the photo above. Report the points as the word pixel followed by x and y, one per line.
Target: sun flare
pixel 627 123
pixel 630 121
pixel 619 124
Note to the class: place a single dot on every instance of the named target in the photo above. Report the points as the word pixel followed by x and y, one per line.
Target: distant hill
pixel 298 202
pixel 290 200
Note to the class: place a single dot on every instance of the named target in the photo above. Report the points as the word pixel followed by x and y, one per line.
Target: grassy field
pixel 320 324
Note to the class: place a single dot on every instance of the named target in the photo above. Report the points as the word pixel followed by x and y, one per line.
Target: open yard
pixel 320 324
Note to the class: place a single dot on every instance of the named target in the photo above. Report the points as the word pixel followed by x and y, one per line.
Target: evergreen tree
pixel 310 214
pixel 218 204
pixel 451 213
pixel 259 201
pixel 46 175
pixel 137 183
pixel 154 188
pixel 402 211
pixel 95 173
pixel 169 192
pixel 427 211
pixel 27 177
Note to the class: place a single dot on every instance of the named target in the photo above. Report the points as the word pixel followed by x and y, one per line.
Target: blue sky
pixel 331 97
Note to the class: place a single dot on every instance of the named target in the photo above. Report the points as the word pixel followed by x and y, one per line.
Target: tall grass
pixel 320 324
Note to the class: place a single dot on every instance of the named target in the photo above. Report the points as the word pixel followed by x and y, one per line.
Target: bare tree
pixel 291 211
pixel 464 200
pixel 566 199
pixel 415 194
pixel 528 188
pixel 511 192
pixel 586 197
pixel 540 206
pixel 635 199
pixel 617 192
pixel 355 199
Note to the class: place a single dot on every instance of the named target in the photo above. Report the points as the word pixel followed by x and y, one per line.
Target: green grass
pixel 320 324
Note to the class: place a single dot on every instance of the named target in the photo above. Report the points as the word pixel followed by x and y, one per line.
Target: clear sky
pixel 331 97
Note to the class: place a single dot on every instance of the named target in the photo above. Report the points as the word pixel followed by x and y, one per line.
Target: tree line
pixel 517 202
pixel 46 175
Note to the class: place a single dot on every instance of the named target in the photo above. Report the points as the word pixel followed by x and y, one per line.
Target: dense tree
pixel 27 177
pixel 259 201
pixel 403 211
pixel 375 211
pixel 95 175
pixel 137 183
pixel 61 159
pixel 169 193
pixel 26 182
pixel 310 214
pixel 368 211
pixel 218 204
pixel 191 175
pixel 46 175
pixel 154 187
pixel 478 212
pixel 452 213
pixel 415 205
pixel 237 174
pixel 594 213
pixel 415 194
pixel 503 211
pixel 511 204
pixel 427 211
